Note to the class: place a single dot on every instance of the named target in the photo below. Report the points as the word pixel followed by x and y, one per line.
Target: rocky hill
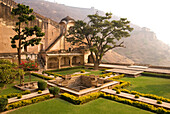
pixel 141 47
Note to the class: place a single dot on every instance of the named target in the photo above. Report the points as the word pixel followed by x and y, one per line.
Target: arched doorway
pixel 90 60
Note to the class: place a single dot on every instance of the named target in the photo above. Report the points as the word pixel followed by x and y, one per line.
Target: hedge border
pixel 155 75
pixel 69 68
pixel 152 96
pixel 81 100
pixel 10 95
pixel 27 102
pixel 42 76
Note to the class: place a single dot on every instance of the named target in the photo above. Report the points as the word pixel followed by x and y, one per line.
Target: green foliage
pixel 19 96
pixel 8 72
pixel 82 71
pixel 27 102
pixel 42 85
pixel 39 91
pixel 3 104
pixel 23 14
pixel 42 76
pixel 155 75
pixel 159 102
pixel 100 34
pixel 54 90
pixel 147 95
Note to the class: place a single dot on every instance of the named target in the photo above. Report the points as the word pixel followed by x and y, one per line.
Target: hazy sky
pixel 153 14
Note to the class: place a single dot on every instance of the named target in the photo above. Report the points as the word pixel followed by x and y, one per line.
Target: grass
pixel 71 71
pixel 10 89
pixel 99 106
pixel 150 85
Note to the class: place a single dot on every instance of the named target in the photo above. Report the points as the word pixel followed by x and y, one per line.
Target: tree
pixel 100 34
pixel 23 14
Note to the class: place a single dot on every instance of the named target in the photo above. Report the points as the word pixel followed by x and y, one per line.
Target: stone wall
pixel 7 22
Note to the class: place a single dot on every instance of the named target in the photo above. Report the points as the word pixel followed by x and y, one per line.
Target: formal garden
pixel 142 86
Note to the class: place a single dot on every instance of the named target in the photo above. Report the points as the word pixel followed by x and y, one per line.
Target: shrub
pixel 3 103
pixel 159 101
pixel 52 73
pixel 39 91
pixel 42 85
pixel 42 76
pixel 118 91
pixel 82 71
pixel 136 96
pixel 54 90
pixel 19 96
pixel 29 66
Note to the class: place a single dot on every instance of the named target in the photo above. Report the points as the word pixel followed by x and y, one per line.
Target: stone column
pixel 71 58
pixel 59 62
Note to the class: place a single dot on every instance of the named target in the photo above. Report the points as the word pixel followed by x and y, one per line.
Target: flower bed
pixel 52 73
pixel 117 77
pixel 122 85
pixel 29 66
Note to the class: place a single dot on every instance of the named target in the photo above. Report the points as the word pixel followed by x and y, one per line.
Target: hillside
pixel 141 47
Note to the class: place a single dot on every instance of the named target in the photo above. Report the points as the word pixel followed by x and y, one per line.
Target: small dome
pixel 67 20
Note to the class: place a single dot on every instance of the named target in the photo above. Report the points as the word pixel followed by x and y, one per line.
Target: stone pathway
pixel 28 96
pixel 142 99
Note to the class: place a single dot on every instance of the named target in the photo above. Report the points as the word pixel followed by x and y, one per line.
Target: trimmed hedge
pixel 147 95
pixel 117 77
pixel 52 73
pixel 155 75
pixel 80 100
pixel 138 104
pixel 42 76
pixel 10 95
pixel 69 68
pixel 104 75
pixel 122 85
pixel 27 102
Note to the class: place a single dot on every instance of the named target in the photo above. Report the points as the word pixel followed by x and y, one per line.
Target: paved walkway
pixel 142 99
pixel 28 96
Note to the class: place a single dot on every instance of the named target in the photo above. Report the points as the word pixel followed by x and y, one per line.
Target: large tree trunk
pixel 19 56
pixel 96 65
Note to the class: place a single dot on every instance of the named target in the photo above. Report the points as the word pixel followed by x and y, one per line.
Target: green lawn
pixel 10 89
pixel 151 85
pixel 71 71
pixel 99 106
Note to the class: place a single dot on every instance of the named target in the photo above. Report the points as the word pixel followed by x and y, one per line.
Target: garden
pixel 150 87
